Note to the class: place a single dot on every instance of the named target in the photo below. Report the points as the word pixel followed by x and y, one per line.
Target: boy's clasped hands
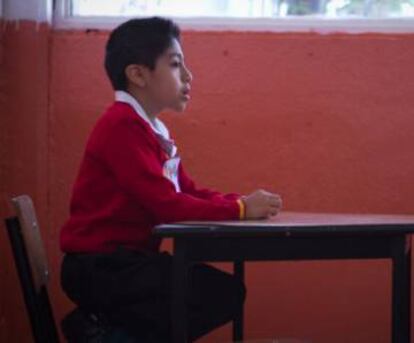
pixel 262 204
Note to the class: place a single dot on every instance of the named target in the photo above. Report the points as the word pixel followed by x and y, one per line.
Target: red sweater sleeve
pixel 128 150
pixel 188 186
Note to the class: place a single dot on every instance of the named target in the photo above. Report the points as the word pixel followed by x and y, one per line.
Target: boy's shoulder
pixel 117 112
pixel 118 120
pixel 119 115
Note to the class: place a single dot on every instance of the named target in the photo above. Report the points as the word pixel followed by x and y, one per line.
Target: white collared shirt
pixel 156 125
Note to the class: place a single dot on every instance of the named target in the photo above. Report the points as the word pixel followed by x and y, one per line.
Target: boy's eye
pixel 175 64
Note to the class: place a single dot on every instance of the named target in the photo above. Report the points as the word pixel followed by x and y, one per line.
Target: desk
pixel 293 236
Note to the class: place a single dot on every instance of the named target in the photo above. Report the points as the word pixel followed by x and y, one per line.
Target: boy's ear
pixel 136 74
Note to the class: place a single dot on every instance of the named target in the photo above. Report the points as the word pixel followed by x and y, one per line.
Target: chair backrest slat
pixel 32 267
pixel 32 239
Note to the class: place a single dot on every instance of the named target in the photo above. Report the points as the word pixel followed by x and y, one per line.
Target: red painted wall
pixel 325 120
pixel 24 89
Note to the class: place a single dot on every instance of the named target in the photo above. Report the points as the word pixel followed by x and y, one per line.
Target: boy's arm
pixel 188 186
pixel 127 150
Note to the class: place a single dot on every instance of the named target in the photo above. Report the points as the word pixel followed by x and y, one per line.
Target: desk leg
pixel 401 274
pixel 179 317
pixel 238 320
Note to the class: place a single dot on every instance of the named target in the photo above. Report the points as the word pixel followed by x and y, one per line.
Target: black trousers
pixel 133 291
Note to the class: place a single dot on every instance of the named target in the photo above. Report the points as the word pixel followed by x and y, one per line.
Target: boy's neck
pixel 143 100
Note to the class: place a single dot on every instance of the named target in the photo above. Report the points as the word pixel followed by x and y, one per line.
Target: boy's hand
pixel 262 204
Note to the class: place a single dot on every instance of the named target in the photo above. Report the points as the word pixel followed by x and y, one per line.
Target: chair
pixel 32 268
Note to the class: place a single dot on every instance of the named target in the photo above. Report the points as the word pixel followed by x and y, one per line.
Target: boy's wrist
pixel 242 208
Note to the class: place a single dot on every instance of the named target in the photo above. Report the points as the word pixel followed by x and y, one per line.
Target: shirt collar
pixel 156 125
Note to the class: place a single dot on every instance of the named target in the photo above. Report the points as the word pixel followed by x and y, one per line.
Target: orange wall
pixel 325 120
pixel 24 85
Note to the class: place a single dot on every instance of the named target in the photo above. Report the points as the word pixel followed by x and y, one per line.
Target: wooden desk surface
pixel 295 223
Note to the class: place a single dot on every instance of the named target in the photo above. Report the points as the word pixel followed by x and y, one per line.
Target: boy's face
pixel 168 85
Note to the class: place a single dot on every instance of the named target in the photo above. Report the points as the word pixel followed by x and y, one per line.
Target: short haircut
pixel 137 41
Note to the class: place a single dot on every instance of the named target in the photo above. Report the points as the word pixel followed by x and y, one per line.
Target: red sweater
pixel 120 193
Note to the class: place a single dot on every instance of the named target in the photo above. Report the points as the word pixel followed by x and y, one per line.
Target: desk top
pixel 295 223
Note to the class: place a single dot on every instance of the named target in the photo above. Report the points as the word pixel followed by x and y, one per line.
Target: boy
pixel 131 179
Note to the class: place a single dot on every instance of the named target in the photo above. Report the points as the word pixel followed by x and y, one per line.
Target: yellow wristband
pixel 242 208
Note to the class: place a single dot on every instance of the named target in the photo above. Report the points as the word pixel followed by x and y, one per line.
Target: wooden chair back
pixel 30 258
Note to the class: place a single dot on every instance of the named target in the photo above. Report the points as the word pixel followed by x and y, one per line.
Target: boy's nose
pixel 187 76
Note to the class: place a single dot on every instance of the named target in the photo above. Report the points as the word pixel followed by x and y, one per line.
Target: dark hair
pixel 137 41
